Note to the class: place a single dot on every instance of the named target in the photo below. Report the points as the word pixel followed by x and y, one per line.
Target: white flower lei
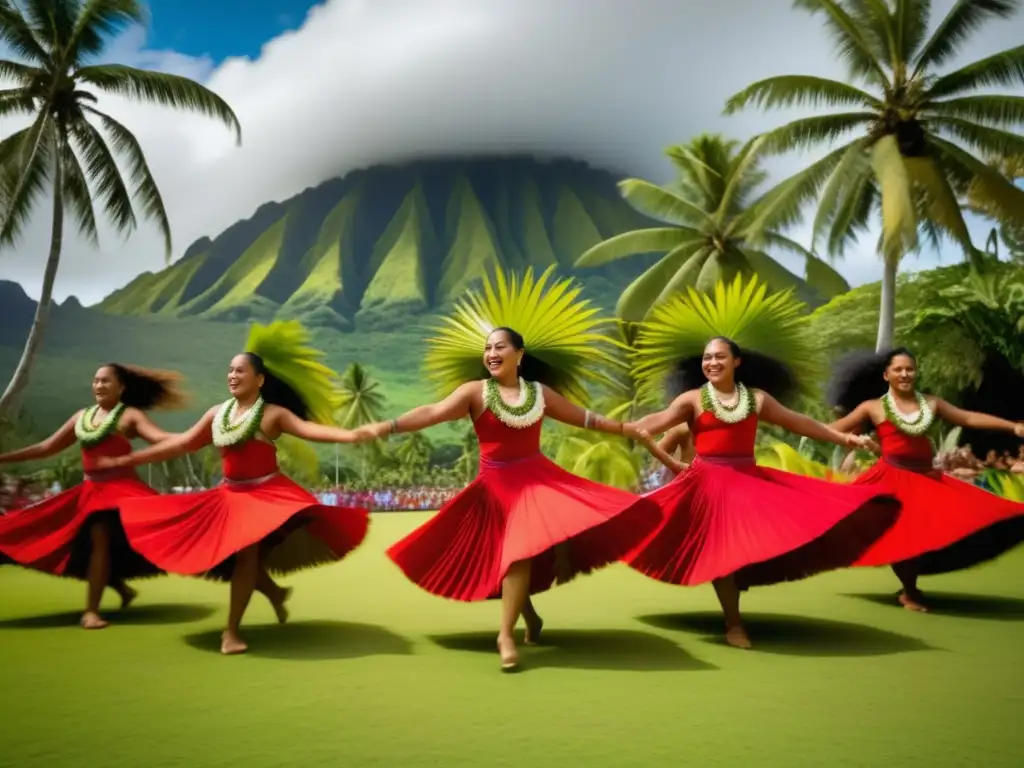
pixel 914 427
pixel 745 404
pixel 528 410
pixel 226 433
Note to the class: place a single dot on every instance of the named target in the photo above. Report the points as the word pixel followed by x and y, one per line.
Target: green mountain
pixel 385 243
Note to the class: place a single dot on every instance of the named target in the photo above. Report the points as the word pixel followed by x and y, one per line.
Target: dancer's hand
pixel 861 441
pixel 679 466
pixel 1019 430
pixel 631 432
pixel 378 431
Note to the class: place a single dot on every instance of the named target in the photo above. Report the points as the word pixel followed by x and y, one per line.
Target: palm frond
pixel 561 330
pixel 161 88
pixel 744 166
pixel 680 267
pixel 1003 199
pixel 854 166
pixel 16 101
pixel 818 273
pixel 770 324
pixel 146 190
pixel 659 203
pixel 964 19
pixel 20 73
pixel 910 25
pixel 100 20
pixel 853 212
pixel 26 161
pixel 101 169
pixel 77 198
pixel 640 241
pixel 899 219
pixel 19 35
pixel 1007 485
pixel 1005 68
pixel 985 108
pixel 987 141
pixel 51 20
pixel 939 201
pixel 287 352
pixel 860 56
pixel 774 274
pixel 800 91
pixel 601 459
pixel 779 455
pixel 808 132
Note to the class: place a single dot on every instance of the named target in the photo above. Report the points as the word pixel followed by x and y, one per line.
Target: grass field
pixel 372 671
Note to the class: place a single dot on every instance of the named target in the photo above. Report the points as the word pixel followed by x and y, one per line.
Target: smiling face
pixel 719 364
pixel 243 381
pixel 901 374
pixel 107 388
pixel 501 358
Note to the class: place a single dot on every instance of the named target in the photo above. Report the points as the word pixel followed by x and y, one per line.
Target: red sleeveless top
pixel 713 437
pixel 899 446
pixel 112 446
pixel 500 443
pixel 248 461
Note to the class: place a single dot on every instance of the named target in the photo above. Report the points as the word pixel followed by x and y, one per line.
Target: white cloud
pixel 364 82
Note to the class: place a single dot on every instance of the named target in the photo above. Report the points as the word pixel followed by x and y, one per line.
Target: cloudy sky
pixel 325 89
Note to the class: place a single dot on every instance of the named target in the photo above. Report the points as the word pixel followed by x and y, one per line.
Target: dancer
pixel 946 524
pixel 257 521
pixel 524 524
pixel 79 533
pixel 733 523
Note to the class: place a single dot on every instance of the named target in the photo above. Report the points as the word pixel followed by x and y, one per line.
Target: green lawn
pixel 372 671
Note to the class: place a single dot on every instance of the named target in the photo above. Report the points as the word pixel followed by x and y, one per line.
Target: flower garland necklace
pixel 227 432
pixel 914 427
pixel 527 411
pixel 745 405
pixel 88 434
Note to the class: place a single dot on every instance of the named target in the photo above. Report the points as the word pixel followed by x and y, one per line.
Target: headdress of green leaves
pixel 774 325
pixel 284 347
pixel 560 329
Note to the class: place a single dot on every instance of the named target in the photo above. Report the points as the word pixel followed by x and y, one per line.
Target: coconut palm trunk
pixel 36 333
pixel 887 309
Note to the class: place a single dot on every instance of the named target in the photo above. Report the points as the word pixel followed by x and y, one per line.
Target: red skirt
pixel 765 526
pixel 199 533
pixel 946 524
pixel 54 535
pixel 522 511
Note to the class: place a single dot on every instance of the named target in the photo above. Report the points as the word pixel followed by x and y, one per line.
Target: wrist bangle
pixel 586 419
pixel 394 427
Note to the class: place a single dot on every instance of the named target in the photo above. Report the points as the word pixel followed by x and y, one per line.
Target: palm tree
pixel 709 211
pixel 360 402
pixel 909 158
pixel 71 144
pixel 1012 235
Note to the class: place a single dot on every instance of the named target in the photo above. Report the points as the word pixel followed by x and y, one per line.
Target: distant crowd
pixel 388 499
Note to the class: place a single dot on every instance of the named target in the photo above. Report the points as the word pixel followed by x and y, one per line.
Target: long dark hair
pixel 148 389
pixel 757 372
pixel 530 368
pixel 275 391
pixel 859 376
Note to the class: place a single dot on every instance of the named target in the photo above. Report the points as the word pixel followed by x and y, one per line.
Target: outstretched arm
pixel 452 408
pixel 853 421
pixel 198 436
pixel 283 420
pixel 144 428
pixel 975 420
pixel 679 410
pixel 774 412
pixel 560 409
pixel 60 440
pixel 663 451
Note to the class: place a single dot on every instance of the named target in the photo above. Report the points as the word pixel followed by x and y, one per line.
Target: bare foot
pixel 914 603
pixel 508 653
pixel 128 596
pixel 279 605
pixel 737 638
pixel 533 629
pixel 92 620
pixel 231 643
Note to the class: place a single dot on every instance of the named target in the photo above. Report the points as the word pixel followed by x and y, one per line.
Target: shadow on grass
pixel 600 649
pixel 959 604
pixel 311 641
pixel 137 615
pixel 795 635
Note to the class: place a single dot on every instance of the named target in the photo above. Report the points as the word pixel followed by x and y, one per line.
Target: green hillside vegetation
pixel 369 250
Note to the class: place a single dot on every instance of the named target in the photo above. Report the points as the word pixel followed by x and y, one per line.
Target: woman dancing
pixel 524 524
pixel 946 524
pixel 731 522
pixel 257 521
pixel 79 533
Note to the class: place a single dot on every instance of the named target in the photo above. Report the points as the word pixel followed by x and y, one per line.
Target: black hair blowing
pixel 858 377
pixel 148 389
pixel 755 371
pixel 531 368
pixel 275 391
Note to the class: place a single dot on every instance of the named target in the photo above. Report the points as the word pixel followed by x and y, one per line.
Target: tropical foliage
pixel 70 144
pixel 709 213
pixel 561 331
pixel 1010 233
pixel 917 131
pixel 360 399
pixel 770 324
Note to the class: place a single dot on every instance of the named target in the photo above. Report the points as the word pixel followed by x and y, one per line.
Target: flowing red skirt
pixel 54 535
pixel 946 524
pixel 199 533
pixel 763 525
pixel 522 511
